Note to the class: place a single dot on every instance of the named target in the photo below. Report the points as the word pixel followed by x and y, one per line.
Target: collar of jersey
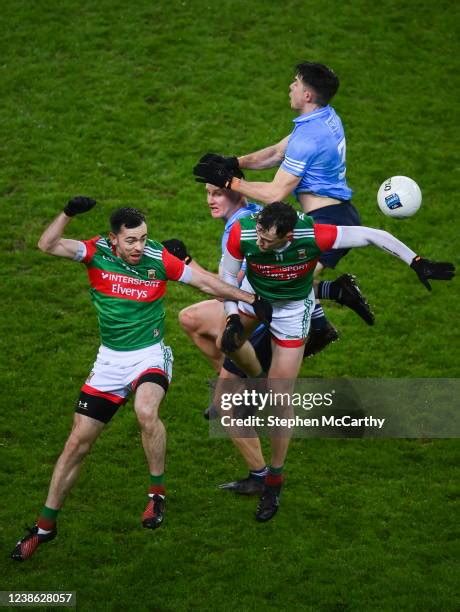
pixel 282 249
pixel 316 114
pixel 250 208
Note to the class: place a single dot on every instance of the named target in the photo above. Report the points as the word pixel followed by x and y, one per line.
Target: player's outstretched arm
pixel 218 174
pixel 208 283
pixel 350 237
pixel 177 248
pixel 52 242
pixel 269 157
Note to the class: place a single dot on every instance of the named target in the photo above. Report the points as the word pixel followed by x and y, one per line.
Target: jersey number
pixel 342 148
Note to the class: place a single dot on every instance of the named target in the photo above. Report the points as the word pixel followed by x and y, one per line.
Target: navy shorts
pixel 261 341
pixel 337 214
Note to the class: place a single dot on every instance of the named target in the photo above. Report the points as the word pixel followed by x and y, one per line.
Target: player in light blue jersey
pixel 204 321
pixel 312 165
pixel 315 153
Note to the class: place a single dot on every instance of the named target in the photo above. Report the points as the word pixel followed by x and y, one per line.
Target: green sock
pixel 157 480
pixel 47 520
pixel 276 471
pixel 49 513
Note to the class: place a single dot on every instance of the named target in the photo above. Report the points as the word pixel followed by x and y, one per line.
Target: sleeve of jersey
pixel 174 267
pixel 87 250
pixel 350 236
pixel 229 274
pixel 298 155
pixel 234 242
pixel 325 235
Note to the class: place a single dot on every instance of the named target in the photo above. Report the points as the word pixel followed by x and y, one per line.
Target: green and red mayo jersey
pixel 129 299
pixel 284 274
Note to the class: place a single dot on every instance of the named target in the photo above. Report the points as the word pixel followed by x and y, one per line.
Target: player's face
pixel 297 94
pixel 267 240
pixel 220 205
pixel 129 243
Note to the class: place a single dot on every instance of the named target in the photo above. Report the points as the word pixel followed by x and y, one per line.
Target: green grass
pixel 117 101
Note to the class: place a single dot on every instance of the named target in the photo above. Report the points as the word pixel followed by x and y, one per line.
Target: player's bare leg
pixel 283 372
pixel 250 448
pixel 85 431
pixel 146 405
pixel 203 323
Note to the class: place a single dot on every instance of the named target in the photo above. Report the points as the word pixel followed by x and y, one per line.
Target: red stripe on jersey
pixel 281 272
pixel 148 371
pixel 126 287
pixel 288 343
pixel 325 235
pixel 174 267
pixel 116 399
pixel 91 249
pixel 234 241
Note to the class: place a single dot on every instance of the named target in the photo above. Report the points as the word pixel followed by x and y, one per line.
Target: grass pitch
pixel 117 101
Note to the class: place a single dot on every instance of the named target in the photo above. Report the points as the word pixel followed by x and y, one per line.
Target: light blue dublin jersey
pixel 316 152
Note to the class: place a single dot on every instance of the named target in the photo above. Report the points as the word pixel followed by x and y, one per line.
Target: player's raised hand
pixel 78 205
pixel 232 338
pixel 434 270
pixel 177 248
pixel 263 309
pixel 213 172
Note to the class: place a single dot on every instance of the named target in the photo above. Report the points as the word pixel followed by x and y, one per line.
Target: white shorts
pixel 291 318
pixel 116 373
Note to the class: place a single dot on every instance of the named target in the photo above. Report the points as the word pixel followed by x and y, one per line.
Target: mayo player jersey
pixel 316 151
pixel 129 299
pixel 284 274
pixel 249 209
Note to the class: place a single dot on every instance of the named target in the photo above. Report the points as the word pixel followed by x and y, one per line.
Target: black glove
pixel 232 338
pixel 178 249
pixel 231 163
pixel 263 309
pixel 436 270
pixel 78 205
pixel 213 172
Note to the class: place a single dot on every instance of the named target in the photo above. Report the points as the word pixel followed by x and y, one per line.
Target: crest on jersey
pixel 302 253
pixel 151 274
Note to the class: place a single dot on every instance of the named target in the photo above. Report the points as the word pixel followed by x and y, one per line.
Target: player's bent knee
pixel 147 417
pixel 188 319
pixel 149 397
pixel 77 445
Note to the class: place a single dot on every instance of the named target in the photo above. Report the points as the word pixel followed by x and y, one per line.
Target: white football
pixel 399 197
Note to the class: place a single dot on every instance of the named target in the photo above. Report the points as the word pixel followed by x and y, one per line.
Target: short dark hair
pixel 280 215
pixel 320 78
pixel 127 216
